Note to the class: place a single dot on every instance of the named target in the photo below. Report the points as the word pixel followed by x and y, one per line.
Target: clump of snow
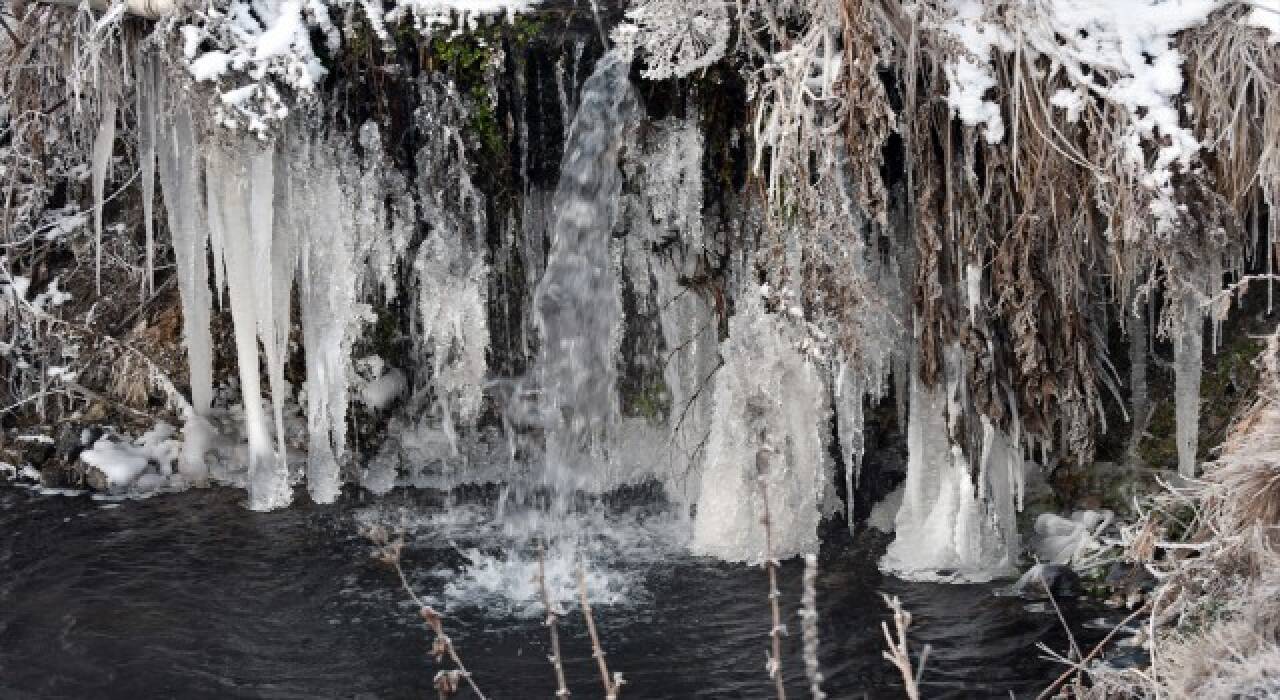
pixel 1265 15
pixel 260 57
pixel 1060 540
pixel 1122 53
pixel 139 466
pixel 969 72
pixel 379 393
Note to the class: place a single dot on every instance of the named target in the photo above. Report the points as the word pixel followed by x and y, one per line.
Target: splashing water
pixel 578 314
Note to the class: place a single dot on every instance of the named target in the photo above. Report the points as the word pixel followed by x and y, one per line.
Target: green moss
pixel 1226 386
pixel 1159 448
pixel 652 402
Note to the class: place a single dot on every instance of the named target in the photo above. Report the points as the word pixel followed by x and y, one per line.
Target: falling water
pixel 577 302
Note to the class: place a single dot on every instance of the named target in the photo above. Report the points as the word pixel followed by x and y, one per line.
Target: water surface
pixel 191 595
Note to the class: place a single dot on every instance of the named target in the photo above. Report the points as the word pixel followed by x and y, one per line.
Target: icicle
pixel 147 95
pixel 766 392
pixel 848 400
pixel 943 524
pixel 1139 397
pixel 279 248
pixel 328 285
pixel 102 147
pixel 179 180
pixel 240 221
pixel 1188 348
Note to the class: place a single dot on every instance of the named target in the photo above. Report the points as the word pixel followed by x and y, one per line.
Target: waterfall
pixel 577 302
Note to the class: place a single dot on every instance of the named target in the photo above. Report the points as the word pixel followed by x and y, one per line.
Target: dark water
pixel 192 596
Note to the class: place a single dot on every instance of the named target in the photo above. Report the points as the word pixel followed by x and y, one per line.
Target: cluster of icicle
pixel 299 212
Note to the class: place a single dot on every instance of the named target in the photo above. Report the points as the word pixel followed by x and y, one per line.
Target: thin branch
pixel 612 684
pixel 552 623
pixel 1080 667
pixel 898 653
pixel 389 552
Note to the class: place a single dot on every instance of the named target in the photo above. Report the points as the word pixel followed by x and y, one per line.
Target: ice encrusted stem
pixel 612 684
pixel 389 551
pixel 774 663
pixel 102 145
pixel 552 623
pixel 1188 350
pixel 898 653
pixel 809 625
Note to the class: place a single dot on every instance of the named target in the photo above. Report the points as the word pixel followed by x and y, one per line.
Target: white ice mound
pixel 946 529
pixel 766 394
pixel 1060 540
pixel 142 466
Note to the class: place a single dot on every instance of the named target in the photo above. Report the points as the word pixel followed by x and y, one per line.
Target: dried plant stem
pixel 446 681
pixel 898 654
pixel 612 684
pixel 1078 668
pixel 552 623
pixel 771 566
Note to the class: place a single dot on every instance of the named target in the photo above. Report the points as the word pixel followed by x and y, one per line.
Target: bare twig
pixel 1080 667
pixel 552 623
pixel 446 682
pixel 612 684
pixel 898 653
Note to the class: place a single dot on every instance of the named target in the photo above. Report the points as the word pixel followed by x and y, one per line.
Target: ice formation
pixel 770 411
pixel 948 527
pixel 665 215
pixel 283 209
pixel 1188 363
pixel 679 37
pixel 179 172
pixel 1060 540
pixel 140 466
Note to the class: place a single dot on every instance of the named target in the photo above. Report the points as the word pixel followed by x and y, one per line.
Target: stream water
pixel 191 595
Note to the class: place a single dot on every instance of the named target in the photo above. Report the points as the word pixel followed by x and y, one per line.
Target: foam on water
pixel 495 564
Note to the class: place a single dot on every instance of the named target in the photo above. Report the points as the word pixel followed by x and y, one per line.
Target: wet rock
pixel 1043 580
pixel 1127 577
pixel 64 469
pixel 37 452
pixel 73 438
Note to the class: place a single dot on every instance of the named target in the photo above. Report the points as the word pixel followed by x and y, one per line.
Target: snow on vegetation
pixel 260 57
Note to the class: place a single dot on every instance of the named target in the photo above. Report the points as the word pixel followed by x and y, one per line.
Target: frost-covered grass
pixel 1213 629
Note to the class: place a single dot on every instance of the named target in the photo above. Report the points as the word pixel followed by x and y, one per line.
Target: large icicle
pixel 768 397
pixel 328 282
pixel 848 398
pixel 946 528
pixel 180 181
pixel 1188 349
pixel 1140 400
pixel 240 220
pixel 102 146
pixel 148 93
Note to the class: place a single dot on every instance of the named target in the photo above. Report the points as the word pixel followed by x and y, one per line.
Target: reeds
pixel 388 551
